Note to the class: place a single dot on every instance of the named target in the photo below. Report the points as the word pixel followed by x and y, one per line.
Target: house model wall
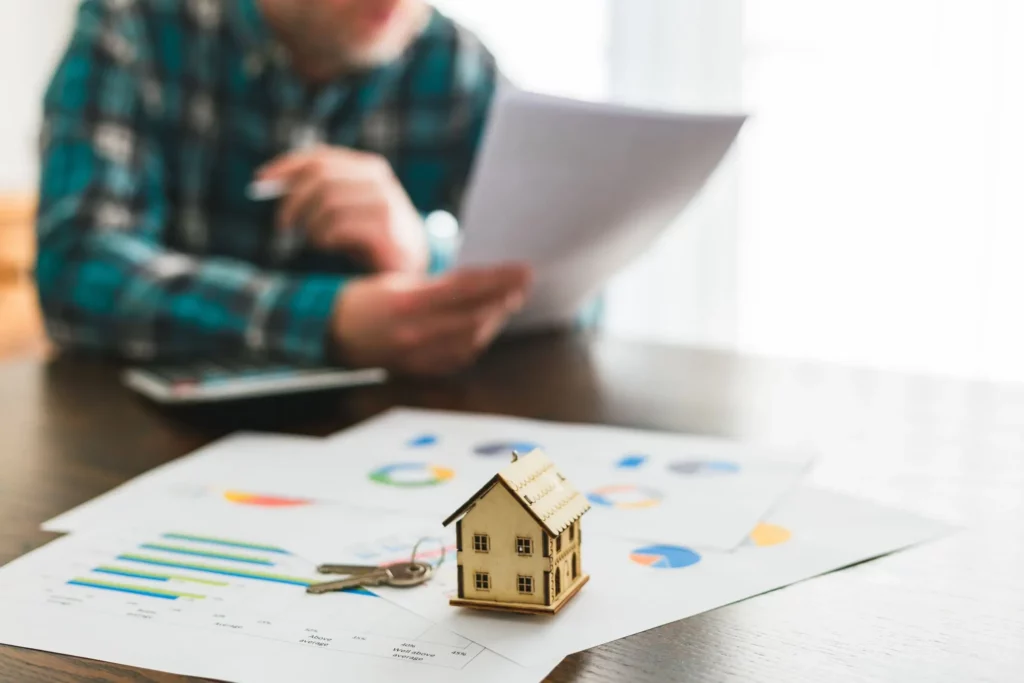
pixel 519 540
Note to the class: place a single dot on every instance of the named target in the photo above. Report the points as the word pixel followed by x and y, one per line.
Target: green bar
pixel 182 550
pixel 224 571
pixel 147 589
pixel 226 542
pixel 169 577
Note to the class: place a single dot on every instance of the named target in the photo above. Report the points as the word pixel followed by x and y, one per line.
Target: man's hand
pixel 409 324
pixel 351 201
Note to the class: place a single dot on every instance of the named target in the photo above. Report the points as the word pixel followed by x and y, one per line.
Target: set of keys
pixel 398 575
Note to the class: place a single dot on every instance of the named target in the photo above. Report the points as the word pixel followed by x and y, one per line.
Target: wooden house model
pixel 519 540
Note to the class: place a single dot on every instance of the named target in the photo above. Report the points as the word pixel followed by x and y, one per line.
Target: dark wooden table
pixel 951 610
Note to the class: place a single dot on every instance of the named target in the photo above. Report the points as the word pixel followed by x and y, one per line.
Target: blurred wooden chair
pixel 21 327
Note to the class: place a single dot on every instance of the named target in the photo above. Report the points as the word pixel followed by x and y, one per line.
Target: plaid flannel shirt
pixel 156 119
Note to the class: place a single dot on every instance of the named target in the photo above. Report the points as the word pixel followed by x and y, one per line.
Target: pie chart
pixel 411 475
pixel 765 535
pixel 263 500
pixel 665 556
pixel 625 497
pixel 505 448
pixel 704 467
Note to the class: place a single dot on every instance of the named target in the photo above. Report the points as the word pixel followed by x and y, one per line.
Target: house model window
pixel 526 505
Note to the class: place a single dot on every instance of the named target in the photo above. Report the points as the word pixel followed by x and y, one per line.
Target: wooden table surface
pixel 951 610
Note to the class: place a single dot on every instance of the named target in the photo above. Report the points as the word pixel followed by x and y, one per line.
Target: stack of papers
pixel 200 566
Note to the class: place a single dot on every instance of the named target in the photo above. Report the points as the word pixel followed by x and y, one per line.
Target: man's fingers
pixel 469 288
pixel 343 162
pixel 356 201
pixel 302 199
pixel 288 165
pixel 448 329
pixel 451 341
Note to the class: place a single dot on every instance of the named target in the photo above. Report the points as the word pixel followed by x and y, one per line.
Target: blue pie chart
pixel 665 556
pixel 505 448
pixel 704 467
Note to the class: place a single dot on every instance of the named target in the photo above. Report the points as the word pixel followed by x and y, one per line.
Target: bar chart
pixel 206 583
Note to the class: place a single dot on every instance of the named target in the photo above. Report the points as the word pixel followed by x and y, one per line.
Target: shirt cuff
pixel 292 319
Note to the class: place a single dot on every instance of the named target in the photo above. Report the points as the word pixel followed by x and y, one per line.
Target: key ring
pixel 415 548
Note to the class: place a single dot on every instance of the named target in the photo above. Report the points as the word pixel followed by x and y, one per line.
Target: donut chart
pixel 411 475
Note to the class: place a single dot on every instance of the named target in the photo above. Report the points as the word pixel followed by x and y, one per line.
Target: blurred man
pixel 365 114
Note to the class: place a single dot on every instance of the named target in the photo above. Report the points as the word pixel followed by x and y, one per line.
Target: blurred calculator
pixel 226 381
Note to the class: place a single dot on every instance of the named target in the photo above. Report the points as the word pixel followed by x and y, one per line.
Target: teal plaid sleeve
pixel 107 282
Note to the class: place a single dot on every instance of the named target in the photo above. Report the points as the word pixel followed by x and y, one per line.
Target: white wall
pixel 32 35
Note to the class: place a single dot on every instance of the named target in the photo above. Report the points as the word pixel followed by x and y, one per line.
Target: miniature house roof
pixel 539 487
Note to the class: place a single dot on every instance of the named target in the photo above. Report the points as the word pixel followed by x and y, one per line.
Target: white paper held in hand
pixel 579 190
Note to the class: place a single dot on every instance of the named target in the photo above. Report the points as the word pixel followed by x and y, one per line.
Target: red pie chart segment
pixel 261 500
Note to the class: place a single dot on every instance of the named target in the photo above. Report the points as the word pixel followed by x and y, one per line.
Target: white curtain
pixel 681 55
pixel 871 212
pixel 881 220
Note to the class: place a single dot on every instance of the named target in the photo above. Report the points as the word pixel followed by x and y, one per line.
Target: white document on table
pixel 272 482
pixel 635 586
pixel 231 609
pixel 578 190
pixel 708 493
pixel 703 492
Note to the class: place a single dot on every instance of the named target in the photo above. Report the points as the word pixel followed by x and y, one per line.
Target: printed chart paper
pixel 635 586
pixel 246 481
pixel 705 493
pixel 233 610
pixel 702 492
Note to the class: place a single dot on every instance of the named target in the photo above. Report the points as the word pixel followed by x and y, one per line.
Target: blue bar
pixel 123 590
pixel 134 575
pixel 226 543
pixel 206 554
pixel 240 573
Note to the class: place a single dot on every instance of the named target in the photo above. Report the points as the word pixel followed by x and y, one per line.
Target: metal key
pixel 401 575
pixel 350 569
pixel 406 574
pixel 378 577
